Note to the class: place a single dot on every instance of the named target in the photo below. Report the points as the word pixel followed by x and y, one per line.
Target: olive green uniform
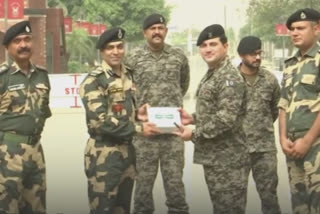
pixel 300 99
pixel 219 138
pixel 109 155
pixel 24 108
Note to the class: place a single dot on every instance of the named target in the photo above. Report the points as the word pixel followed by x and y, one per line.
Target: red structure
pixel 48 33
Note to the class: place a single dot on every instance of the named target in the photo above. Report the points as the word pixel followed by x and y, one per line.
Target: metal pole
pixel 6 24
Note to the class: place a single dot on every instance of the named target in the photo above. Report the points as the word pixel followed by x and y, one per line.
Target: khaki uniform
pixel 24 108
pixel 300 98
pixel 162 81
pixel 109 155
pixel 262 111
pixel 219 138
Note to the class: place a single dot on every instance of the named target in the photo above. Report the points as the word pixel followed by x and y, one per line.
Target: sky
pixel 201 13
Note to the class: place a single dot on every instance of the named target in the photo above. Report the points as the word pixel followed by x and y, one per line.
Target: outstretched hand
pixel 186 118
pixel 142 113
pixel 184 132
pixel 150 129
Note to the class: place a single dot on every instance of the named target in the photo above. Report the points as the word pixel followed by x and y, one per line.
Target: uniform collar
pixel 260 71
pixel 165 49
pixel 14 68
pixel 106 67
pixel 312 52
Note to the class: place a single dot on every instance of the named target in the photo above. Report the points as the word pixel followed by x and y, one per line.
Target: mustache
pixel 156 35
pixel 28 50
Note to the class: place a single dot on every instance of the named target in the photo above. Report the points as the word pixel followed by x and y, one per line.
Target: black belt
pixel 11 137
pixel 296 135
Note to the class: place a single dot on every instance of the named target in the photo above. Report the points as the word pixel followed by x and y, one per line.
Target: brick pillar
pixel 38 25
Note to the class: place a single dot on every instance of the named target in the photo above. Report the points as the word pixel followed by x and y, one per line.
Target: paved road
pixel 64 139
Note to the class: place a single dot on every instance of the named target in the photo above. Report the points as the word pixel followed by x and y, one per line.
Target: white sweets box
pixel 164 118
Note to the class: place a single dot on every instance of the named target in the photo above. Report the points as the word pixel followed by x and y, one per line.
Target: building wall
pixel 46 23
pixel 55 28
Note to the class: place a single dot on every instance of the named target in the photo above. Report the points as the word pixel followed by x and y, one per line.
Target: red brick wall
pixel 55 27
pixel 36 3
pixel 38 25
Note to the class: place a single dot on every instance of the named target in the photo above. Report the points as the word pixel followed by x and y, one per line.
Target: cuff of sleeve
pixel 193 136
pixel 194 117
pixel 139 128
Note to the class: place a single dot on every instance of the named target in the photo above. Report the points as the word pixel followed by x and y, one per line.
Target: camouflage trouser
pixel 227 187
pixel 22 178
pixel 110 171
pixel 168 150
pixel 304 176
pixel 264 172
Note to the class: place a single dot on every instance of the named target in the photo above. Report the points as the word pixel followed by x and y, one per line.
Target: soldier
pixel 218 136
pixel 299 117
pixel 24 108
pixel 161 73
pixel 108 95
pixel 263 94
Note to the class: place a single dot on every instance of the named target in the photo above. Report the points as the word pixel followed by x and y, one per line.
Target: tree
pixel 263 15
pixel 81 48
pixel 125 13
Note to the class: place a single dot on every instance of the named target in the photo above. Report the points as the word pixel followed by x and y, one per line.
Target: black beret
pixel 23 27
pixel 153 19
pixel 249 44
pixel 113 34
pixel 210 32
pixel 306 14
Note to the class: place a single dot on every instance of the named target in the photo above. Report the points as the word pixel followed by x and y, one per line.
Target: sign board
pixel 15 9
pixel 282 30
pixel 68 24
pixel 65 90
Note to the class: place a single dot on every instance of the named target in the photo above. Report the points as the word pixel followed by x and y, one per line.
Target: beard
pixel 254 65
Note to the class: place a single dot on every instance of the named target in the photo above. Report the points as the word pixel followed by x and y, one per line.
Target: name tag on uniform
pixel 115 90
pixel 16 87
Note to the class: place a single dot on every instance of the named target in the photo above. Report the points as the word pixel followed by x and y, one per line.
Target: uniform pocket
pixel 309 87
pixel 173 71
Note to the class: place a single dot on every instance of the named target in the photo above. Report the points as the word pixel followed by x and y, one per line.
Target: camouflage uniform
pixel 109 155
pixel 162 80
pixel 24 108
pixel 262 100
pixel 300 98
pixel 219 138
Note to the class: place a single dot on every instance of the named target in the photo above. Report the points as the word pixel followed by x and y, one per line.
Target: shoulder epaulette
pixel 287 60
pixel 4 67
pixel 96 72
pixel 41 68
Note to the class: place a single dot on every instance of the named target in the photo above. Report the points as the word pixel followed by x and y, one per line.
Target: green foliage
pixel 77 67
pixel 263 15
pixel 125 13
pixel 81 47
